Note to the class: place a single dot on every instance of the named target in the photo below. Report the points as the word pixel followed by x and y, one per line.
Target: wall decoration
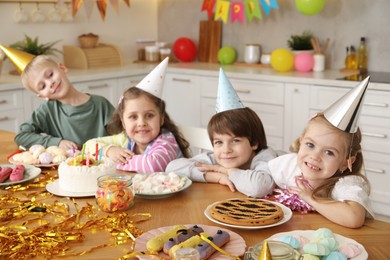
pixel 88 5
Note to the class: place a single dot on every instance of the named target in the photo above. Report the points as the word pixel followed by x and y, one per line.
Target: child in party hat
pixel 144 138
pixel 324 173
pixel 240 152
pixel 69 117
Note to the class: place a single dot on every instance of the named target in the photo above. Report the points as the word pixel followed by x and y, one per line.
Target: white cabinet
pixel 105 87
pixel 182 97
pixel 375 127
pixel 11 110
pixel 265 98
pixel 125 83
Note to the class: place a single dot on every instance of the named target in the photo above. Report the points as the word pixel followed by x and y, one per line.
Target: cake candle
pixel 100 155
pixel 87 158
pixel 96 151
pixel 82 152
pixel 74 156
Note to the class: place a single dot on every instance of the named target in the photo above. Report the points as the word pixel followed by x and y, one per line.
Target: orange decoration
pixel 102 6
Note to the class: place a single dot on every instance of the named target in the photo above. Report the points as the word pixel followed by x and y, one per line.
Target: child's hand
pixel 66 145
pixel 119 154
pixel 211 168
pixel 303 190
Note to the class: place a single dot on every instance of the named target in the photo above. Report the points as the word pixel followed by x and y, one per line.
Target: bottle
pixel 362 55
pixel 351 59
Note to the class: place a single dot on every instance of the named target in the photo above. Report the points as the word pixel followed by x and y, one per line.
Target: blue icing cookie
pixel 292 241
pixel 335 256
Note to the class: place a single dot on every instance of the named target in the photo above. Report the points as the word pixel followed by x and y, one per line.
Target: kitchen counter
pixel 328 77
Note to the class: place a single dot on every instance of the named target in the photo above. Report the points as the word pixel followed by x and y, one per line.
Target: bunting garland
pixel 101 5
pixel 238 9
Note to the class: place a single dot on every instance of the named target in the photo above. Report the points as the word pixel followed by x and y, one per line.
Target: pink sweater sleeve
pixel 163 150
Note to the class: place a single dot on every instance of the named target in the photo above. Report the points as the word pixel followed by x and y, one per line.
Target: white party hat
pixel 154 81
pixel 227 98
pixel 344 113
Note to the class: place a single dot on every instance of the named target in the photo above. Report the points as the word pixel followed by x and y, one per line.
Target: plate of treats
pixel 166 240
pixel 39 156
pixel 322 242
pixel 158 185
pixel 259 213
pixel 14 174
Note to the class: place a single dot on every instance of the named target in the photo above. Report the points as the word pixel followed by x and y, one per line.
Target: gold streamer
pixel 218 248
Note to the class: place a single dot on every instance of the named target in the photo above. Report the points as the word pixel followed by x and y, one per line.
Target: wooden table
pixel 187 207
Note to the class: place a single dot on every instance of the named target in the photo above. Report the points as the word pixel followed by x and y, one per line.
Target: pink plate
pixel 236 246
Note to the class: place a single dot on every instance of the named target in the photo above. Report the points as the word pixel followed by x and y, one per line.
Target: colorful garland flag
pixel 208 5
pixel 102 6
pixel 115 5
pixel 222 10
pixel 88 7
pixel 268 4
pixel 252 8
pixel 237 12
pixel 76 4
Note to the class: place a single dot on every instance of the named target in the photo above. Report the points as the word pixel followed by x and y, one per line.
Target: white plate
pixel 36 165
pixel 187 184
pixel 287 216
pixel 30 172
pixel 54 188
pixel 236 246
pixel 341 239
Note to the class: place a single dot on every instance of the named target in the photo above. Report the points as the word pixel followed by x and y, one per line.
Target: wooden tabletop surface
pixel 187 207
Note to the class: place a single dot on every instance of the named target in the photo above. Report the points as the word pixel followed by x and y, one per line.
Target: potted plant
pixel 33 46
pixel 300 42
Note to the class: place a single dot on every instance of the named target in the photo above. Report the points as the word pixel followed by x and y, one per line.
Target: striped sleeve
pixel 119 140
pixel 163 150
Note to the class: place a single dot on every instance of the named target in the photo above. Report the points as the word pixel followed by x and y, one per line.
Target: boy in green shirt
pixel 69 117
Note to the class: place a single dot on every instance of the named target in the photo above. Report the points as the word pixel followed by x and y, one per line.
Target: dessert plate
pixel 141 195
pixel 287 216
pixel 54 188
pixel 236 246
pixel 30 173
pixel 341 239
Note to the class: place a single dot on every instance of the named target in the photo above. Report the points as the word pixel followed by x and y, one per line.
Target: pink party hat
pixel 227 98
pixel 344 113
pixel 154 81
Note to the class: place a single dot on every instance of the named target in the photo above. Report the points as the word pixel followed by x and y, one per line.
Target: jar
pixel 141 45
pixel 115 192
pixel 165 52
pixel 152 53
pixel 279 251
pixel 252 53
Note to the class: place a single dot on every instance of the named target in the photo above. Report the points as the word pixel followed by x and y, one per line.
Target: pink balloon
pixel 304 62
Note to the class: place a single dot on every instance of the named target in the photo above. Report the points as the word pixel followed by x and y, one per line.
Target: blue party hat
pixel 344 113
pixel 227 98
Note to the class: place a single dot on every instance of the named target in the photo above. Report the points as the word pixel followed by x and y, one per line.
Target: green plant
pixel 32 46
pixel 301 42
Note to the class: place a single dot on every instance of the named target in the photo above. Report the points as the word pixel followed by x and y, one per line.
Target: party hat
pixel 19 58
pixel 265 253
pixel 344 113
pixel 227 98
pixel 154 81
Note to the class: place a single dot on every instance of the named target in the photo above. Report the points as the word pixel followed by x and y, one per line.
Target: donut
pixel 219 239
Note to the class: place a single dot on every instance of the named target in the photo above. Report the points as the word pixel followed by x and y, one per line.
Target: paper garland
pixel 88 5
pixel 238 9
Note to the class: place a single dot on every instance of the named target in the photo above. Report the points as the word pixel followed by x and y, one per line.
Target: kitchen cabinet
pixel 182 97
pixel 125 83
pixel 11 110
pixel 104 87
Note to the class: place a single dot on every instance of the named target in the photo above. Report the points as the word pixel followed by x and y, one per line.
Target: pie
pixel 247 212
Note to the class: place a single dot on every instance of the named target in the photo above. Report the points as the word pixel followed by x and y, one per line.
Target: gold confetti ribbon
pixel 218 248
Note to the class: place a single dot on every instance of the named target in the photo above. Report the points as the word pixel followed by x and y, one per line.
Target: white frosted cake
pixel 78 177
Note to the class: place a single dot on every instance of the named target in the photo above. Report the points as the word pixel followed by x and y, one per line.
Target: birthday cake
pixel 80 175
